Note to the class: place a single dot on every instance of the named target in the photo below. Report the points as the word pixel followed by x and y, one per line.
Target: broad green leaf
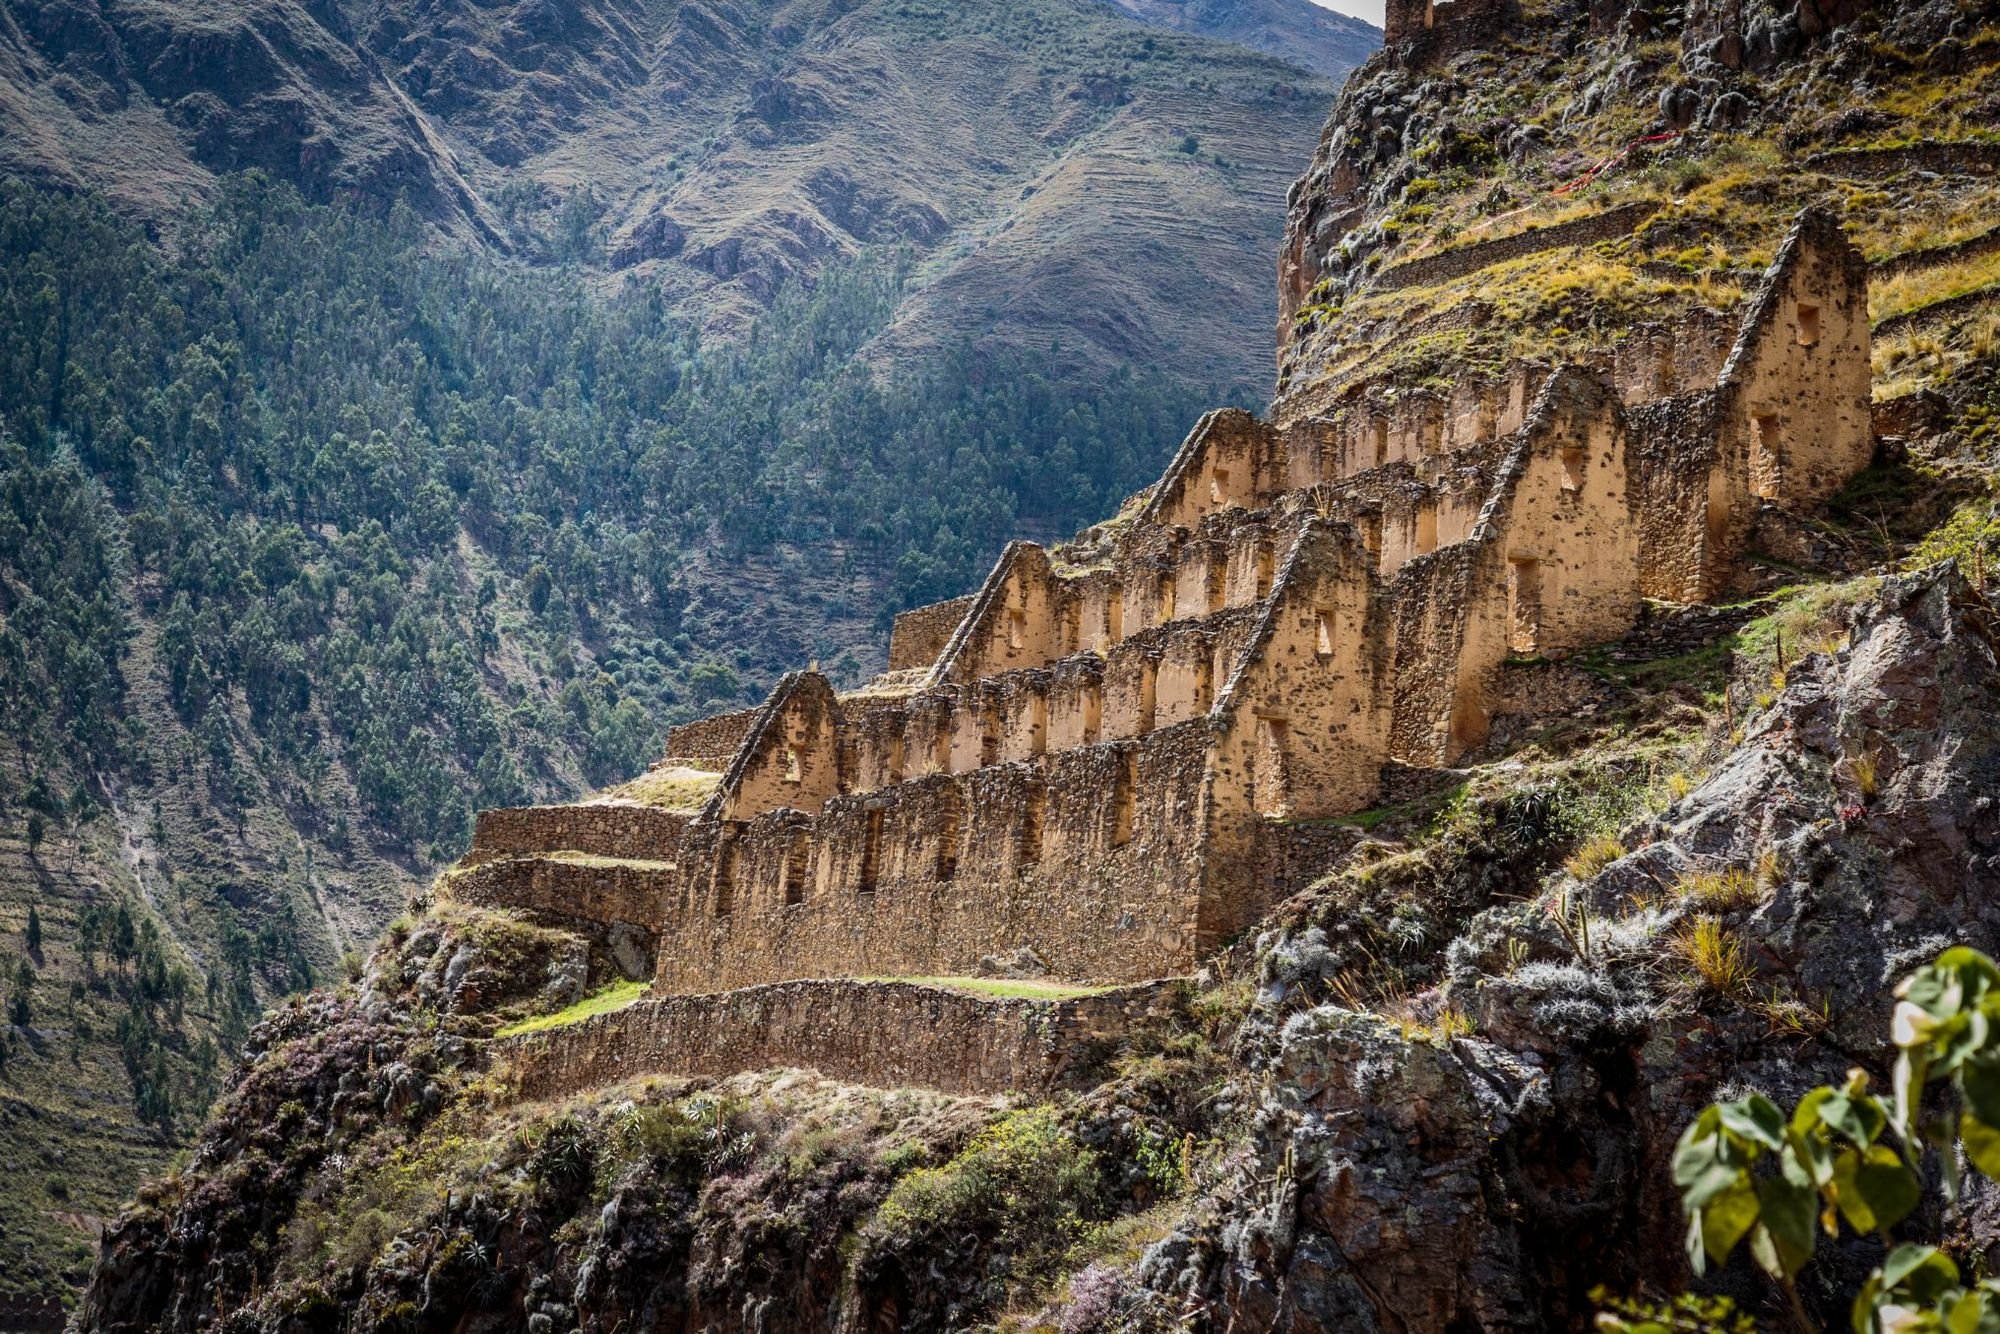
pixel 1704 1167
pixel 1812 1152
pixel 1921 1272
pixel 1979 1080
pixel 1888 1187
pixel 1859 1118
pixel 1982 1143
pixel 1912 1068
pixel 1756 1118
pixel 1787 1213
pixel 1726 1218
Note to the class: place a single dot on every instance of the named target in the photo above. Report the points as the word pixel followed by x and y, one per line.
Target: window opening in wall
pixel 1216 585
pixel 1381 441
pixel 1427 528
pixel 1166 597
pixel 1572 461
pixel 1038 724
pixel 1034 809
pixel 871 854
pixel 1272 792
pixel 1124 797
pixel 941 747
pixel 1148 696
pixel 725 876
pixel 1114 616
pixel 797 863
pixel 1218 486
pixel 1324 620
pixel 1091 700
pixel 1204 686
pixel 794 770
pixel 989 737
pixel 1524 605
pixel 1017 628
pixel 949 835
pixel 1808 324
pixel 1371 537
pixel 1267 561
pixel 1766 456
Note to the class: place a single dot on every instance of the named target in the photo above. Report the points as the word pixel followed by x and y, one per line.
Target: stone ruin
pixel 1109 759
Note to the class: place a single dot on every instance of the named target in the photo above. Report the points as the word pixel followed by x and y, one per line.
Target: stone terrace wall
pixel 641 833
pixel 711 743
pixel 920 635
pixel 1461 260
pixel 888 1034
pixel 581 894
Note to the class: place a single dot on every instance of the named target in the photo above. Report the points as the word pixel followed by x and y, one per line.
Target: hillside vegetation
pixel 314 540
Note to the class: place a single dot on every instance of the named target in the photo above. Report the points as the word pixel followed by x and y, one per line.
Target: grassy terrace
pixel 1002 988
pixel 614 997
pixel 677 789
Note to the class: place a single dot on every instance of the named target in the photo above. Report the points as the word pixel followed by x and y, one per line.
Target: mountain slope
pixel 1440 1089
pixel 718 151
pixel 1296 30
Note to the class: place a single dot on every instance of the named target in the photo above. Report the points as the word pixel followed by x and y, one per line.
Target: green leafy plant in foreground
pixel 1747 1171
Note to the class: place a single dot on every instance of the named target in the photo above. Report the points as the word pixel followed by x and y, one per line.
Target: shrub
pixel 1024 1180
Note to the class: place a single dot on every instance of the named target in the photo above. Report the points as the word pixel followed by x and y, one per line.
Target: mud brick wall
pixel 920 635
pixel 711 743
pixel 638 833
pixel 888 1034
pixel 586 894
pixel 1461 260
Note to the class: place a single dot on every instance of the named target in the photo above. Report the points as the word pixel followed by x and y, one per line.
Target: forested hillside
pixel 315 538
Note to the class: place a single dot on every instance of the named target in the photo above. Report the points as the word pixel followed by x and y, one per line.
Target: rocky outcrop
pixel 1487 1182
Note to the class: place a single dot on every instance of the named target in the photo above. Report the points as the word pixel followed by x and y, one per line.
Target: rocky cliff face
pixel 1507 121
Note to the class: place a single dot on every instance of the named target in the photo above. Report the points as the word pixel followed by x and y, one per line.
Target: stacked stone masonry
pixel 884 1033
pixel 1105 755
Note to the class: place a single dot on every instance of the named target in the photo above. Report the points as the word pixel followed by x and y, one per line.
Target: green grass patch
pixel 614 997
pixel 1004 988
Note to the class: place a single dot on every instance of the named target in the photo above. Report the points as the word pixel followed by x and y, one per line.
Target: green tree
pixel 34 932
pixel 38 828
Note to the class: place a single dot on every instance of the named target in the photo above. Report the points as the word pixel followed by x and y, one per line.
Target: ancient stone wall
pixel 790 756
pixel 1444 265
pixel 1090 857
pixel 888 1034
pixel 710 743
pixel 1795 391
pixel 603 829
pixel 572 890
pixel 1231 459
pixel 919 636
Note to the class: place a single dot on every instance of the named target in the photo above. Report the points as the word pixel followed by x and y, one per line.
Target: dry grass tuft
pixel 1715 957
